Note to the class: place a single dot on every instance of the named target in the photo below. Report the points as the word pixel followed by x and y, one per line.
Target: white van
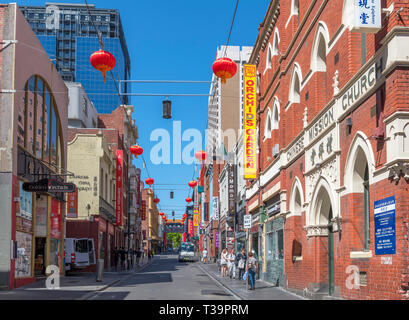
pixel 186 252
pixel 78 253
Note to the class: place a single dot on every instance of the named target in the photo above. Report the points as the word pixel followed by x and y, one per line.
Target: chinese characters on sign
pixel 118 206
pixel 231 189
pixel 143 211
pixel 215 214
pixel 367 16
pixel 72 205
pixel 250 123
pixel 385 234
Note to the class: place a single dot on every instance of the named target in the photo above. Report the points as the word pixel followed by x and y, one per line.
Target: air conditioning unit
pixel 276 150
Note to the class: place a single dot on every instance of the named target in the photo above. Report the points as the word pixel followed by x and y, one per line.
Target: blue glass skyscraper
pixel 68 35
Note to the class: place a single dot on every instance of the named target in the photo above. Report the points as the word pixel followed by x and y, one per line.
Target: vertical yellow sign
pixel 250 121
pixel 196 218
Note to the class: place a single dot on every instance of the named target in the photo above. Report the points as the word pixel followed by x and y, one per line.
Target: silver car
pixel 186 252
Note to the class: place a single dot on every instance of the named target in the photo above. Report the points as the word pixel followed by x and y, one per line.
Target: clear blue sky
pixel 176 40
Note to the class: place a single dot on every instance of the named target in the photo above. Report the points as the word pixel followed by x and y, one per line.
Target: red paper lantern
pixel 201 155
pixel 189 200
pixel 224 68
pixel 103 61
pixel 161 214
pixel 156 200
pixel 149 181
pixel 192 184
pixel 136 150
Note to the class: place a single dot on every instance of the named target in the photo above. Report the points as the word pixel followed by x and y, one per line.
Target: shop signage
pixel 191 228
pixel 385 233
pixel 296 149
pixel 216 240
pixel 215 208
pixel 321 124
pixel 247 221
pixel 206 211
pixel 196 218
pixel 231 189
pixel 55 219
pixel 49 185
pixel 143 211
pixel 367 16
pixel 118 206
pixel 361 86
pixel 250 121
pixel 72 205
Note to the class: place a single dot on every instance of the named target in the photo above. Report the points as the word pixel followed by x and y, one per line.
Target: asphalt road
pixel 165 279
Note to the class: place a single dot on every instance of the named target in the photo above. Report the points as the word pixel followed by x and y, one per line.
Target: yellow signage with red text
pixel 195 218
pixel 250 121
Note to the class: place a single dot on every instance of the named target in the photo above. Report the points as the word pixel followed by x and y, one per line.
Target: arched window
pixel 275 115
pixel 320 49
pixel 295 7
pixel 269 57
pixel 39 126
pixel 276 42
pixel 295 86
pixel 268 127
pixel 361 187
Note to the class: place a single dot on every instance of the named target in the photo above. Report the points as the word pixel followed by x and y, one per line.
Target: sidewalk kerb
pixel 95 292
pixel 218 282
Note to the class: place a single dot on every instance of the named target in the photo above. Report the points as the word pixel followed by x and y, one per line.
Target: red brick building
pixel 333 162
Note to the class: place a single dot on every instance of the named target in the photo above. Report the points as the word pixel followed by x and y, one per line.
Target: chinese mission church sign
pixel 367 16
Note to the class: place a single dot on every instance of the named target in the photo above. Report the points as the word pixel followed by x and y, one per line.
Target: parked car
pixel 186 252
pixel 79 254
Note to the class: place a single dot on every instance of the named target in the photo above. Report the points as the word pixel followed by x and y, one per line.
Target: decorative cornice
pixel 268 26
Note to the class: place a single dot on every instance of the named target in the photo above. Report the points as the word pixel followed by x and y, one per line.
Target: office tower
pixel 69 36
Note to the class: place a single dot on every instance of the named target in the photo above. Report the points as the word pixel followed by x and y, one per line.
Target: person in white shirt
pixel 232 264
pixel 204 256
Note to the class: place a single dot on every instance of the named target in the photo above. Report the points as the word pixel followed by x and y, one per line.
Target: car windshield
pixel 187 247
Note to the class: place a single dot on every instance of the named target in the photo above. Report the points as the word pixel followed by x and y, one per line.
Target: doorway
pixel 39 258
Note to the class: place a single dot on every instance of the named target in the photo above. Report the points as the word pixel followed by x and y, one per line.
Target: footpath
pixel 76 286
pixel 264 290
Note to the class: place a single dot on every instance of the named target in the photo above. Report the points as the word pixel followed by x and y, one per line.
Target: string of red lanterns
pixel 149 181
pixel 156 200
pixel 189 200
pixel 201 155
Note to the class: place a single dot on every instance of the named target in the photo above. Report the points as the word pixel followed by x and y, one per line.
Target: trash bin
pixel 100 270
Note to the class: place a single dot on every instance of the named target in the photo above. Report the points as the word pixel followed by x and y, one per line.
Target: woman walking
pixel 251 270
pixel 241 262
pixel 223 262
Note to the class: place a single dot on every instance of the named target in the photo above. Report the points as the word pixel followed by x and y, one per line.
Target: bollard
pixel 100 270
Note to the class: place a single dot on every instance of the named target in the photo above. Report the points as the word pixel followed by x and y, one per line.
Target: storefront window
pixel 54 252
pixel 23 261
pixel 47 128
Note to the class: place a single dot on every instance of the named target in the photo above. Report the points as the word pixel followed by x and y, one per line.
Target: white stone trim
pixel 296 186
pixel 360 254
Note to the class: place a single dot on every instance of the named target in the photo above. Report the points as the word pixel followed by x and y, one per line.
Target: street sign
pixel 247 221
pixel 49 185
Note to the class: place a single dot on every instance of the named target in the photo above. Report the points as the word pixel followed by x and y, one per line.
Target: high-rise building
pixel 69 36
pixel 226 103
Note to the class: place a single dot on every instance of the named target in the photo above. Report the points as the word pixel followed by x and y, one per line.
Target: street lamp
pixel 167 109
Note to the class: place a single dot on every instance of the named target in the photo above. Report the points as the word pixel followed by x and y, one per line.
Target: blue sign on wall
pixel 385 231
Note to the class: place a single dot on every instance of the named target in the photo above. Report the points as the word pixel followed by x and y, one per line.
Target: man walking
pixel 241 259
pixel 232 264
pixel 123 257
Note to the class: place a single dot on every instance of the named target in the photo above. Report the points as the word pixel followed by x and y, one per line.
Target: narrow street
pixel 166 279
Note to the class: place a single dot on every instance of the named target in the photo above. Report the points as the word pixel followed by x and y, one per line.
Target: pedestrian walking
pixel 241 259
pixel 123 257
pixel 232 265
pixel 149 255
pixel 204 256
pixel 251 270
pixel 116 258
pixel 138 257
pixel 223 262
